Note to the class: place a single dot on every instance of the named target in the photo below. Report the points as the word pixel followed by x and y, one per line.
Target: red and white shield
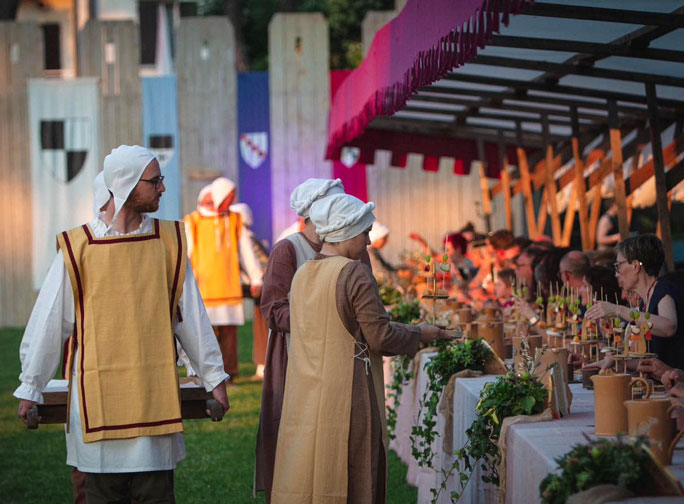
pixel 253 148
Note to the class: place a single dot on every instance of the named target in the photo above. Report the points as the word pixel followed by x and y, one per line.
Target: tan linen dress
pixel 348 462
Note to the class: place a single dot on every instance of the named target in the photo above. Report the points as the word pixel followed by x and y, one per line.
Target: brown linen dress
pixel 275 307
pixel 365 318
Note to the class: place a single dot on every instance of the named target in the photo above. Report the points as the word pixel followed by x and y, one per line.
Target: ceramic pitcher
pixel 492 332
pixel 651 418
pixel 610 394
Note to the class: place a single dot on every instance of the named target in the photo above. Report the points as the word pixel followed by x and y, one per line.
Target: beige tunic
pixel 362 314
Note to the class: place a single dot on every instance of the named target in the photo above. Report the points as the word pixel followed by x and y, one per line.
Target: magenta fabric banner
pixel 424 42
pixel 351 166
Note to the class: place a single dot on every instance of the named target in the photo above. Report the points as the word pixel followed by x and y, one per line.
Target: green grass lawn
pixel 220 455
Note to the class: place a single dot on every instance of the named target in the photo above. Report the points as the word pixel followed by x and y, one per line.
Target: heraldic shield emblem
pixel 254 148
pixel 64 146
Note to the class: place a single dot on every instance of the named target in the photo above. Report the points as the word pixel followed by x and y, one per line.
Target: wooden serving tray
pixel 195 402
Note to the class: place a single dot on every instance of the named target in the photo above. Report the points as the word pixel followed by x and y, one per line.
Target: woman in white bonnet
pixel 332 437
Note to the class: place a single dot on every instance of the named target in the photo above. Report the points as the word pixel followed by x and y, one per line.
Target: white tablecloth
pixel 532 448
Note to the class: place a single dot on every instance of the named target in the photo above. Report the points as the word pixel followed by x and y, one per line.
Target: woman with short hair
pixel 638 266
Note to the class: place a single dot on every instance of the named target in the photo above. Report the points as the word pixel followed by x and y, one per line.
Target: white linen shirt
pixel 50 325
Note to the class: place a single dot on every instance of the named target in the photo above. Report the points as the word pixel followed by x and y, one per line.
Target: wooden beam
pixel 569 217
pixel 552 87
pixel 484 185
pixel 527 193
pixel 636 17
pixel 588 71
pixel 541 217
pixel 506 184
pixel 576 46
pixel 659 172
pixel 595 214
pixel 616 162
pixel 551 184
pixel 579 181
pixel 646 171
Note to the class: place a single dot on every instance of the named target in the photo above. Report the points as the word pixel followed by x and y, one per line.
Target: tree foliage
pixel 344 18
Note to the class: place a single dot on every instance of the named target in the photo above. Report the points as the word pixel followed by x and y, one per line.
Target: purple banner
pixel 254 156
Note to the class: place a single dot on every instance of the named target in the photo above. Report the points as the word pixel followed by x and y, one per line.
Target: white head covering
pixel 244 210
pixel 220 189
pixel 306 193
pixel 100 193
pixel 123 167
pixel 341 217
pixel 378 232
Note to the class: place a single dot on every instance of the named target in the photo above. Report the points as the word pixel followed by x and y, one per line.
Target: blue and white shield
pixel 64 146
pixel 254 148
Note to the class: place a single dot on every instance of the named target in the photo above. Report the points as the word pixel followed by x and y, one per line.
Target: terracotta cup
pixel 491 313
pixel 610 394
pixel 533 340
pixel 651 417
pixel 465 316
pixel 492 332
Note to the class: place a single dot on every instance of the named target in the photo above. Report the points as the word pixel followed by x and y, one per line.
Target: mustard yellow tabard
pixel 311 456
pixel 126 291
pixel 214 257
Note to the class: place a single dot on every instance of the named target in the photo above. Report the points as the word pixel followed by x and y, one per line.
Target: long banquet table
pixel 531 448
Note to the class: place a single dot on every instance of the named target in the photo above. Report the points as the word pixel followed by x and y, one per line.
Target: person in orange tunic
pixel 216 247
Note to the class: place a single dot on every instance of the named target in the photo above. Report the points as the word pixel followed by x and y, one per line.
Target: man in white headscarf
pixel 332 439
pixel 287 255
pixel 121 283
pixel 217 248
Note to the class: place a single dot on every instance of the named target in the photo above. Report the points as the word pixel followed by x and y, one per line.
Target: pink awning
pixel 418 47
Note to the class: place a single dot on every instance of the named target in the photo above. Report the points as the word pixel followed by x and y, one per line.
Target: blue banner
pixel 254 157
pixel 160 135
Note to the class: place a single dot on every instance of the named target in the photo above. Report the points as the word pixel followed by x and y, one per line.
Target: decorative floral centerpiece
pixel 606 461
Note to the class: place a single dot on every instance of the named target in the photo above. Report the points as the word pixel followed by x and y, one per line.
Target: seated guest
pixel 524 267
pixel 547 271
pixel 332 439
pixel 599 279
pixel 503 289
pixel 639 262
pixel 456 246
pixel 574 267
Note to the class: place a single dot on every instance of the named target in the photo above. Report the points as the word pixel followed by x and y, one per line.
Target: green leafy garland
pixel 401 374
pixel 404 312
pixel 450 359
pixel 509 395
pixel 601 461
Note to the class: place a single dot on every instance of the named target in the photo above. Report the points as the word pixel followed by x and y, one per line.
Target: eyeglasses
pixel 157 181
pixel 618 264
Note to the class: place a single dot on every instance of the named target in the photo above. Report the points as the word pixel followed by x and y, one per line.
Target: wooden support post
pixel 506 184
pixel 580 189
pixel 569 217
pixel 551 182
pixel 526 186
pixel 484 185
pixel 595 214
pixel 659 173
pixel 541 219
pixel 616 162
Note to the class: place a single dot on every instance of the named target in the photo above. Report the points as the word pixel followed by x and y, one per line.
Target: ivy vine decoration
pixel 400 367
pixel 451 358
pixel 599 462
pixel 404 312
pixel 510 395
